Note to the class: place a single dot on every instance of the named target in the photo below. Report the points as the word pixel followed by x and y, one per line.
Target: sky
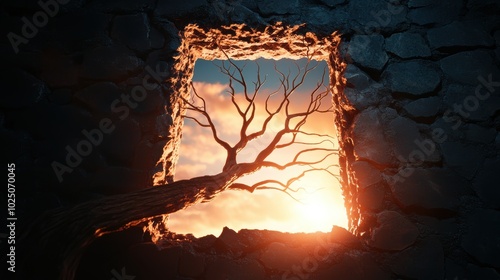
pixel 321 203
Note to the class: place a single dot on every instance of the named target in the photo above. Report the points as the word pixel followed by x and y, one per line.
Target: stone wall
pixel 87 112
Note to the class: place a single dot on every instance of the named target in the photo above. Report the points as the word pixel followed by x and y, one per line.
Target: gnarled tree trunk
pixel 64 234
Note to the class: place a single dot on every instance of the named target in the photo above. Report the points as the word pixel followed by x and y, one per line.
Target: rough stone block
pixel 59 70
pixel 463 158
pixel 136 33
pixel 423 108
pixel 144 261
pixel 163 124
pixel 28 89
pixel 482 237
pixel 419 3
pixel 81 29
pixel 172 34
pixel 177 9
pixel 444 227
pixel 480 134
pixel 356 78
pixel 442 131
pixel 342 236
pixel 404 133
pixel 467 67
pixel 477 272
pixel 124 5
pixel 332 3
pixel 423 261
pixel 438 12
pixel 99 97
pixel 407 45
pixel 112 63
pixel 257 239
pixel 240 13
pixel 369 140
pixel 365 174
pixel 454 270
pixel 393 233
pixel 21 4
pixel 353 266
pixel 122 142
pixel 324 19
pixel 428 188
pixel 191 265
pixel 250 4
pixel 416 77
pixel 148 153
pixel 408 144
pixel 486 6
pixel 364 98
pixel 465 103
pixel 223 268
pixel 109 250
pixel 230 240
pixel 279 7
pixel 459 34
pixel 53 119
pixel 376 16
pixel 144 101
pixel 367 51
pixel 371 197
pixel 486 183
pixel 18 143
pixel 278 256
pixel 117 180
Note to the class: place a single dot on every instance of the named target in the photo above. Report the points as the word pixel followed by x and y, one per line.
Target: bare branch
pixel 296 162
pixel 242 80
pixel 224 70
pixel 203 111
pixel 292 142
pixel 280 186
pixel 196 120
pixel 277 103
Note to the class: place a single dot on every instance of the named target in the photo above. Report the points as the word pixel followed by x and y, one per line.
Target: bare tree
pixel 293 123
pixel 67 232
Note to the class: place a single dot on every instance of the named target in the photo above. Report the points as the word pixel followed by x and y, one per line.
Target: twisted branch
pixel 292 125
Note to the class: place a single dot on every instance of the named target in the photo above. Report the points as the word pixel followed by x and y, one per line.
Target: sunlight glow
pixel 317 203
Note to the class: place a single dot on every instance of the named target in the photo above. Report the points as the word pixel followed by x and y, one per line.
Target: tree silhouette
pixel 66 232
pixel 287 136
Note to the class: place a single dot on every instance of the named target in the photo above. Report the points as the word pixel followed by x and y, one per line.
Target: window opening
pixel 314 201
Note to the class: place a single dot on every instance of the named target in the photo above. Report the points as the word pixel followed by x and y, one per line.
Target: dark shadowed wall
pixel 86 111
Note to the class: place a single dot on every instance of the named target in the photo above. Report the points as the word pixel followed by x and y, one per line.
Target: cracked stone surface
pixel 459 34
pixel 368 52
pixel 421 78
pixel 394 232
pixel 414 77
pixel 407 45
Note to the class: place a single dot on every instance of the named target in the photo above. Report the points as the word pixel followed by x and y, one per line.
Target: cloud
pixel 186 171
pixel 260 210
pixel 199 153
pixel 235 209
pixel 219 107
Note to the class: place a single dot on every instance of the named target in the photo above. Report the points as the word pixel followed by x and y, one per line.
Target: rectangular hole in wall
pixel 320 205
